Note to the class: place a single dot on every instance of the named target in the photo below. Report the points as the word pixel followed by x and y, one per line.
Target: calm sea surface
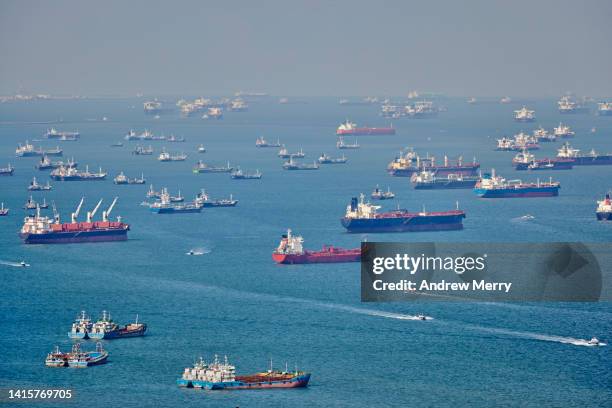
pixel 235 301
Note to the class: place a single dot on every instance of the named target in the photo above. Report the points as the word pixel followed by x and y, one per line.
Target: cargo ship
pixel 166 206
pixel 542 135
pixel 238 174
pixel 80 327
pixel 164 156
pixel 492 186
pixel 325 159
pixel 527 161
pixel 364 217
pixel 222 376
pixel 283 153
pixel 261 142
pixel 350 128
pixel 7 171
pixel 143 151
pixel 341 144
pixel 563 131
pixel 35 186
pixel 524 115
pixel 213 113
pixel 567 105
pixel 604 209
pixel 521 141
pixel 204 200
pixel 65 136
pixel 293 165
pixel 291 251
pixel 106 329
pixel 590 159
pixel 604 109
pixel 44 230
pixel 427 180
pixel 28 150
pixel 46 164
pixel 410 163
pixel 64 173
pixel 83 359
pixel 121 178
pixel 378 194
pixel 202 167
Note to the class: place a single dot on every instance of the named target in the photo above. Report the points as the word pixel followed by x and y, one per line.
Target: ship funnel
pixel 354 204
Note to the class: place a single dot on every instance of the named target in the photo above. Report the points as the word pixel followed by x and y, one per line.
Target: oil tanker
pixel 590 159
pixel 291 251
pixel 527 161
pixel 44 230
pixel 409 163
pixel 364 217
pixel 222 376
pixel 492 186
pixel 350 128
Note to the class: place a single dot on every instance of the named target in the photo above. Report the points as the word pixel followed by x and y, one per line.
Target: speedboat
pixel 191 252
pixel 421 317
pixel 594 342
pixel 25 265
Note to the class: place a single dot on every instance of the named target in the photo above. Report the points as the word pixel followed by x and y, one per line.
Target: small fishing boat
pixel 83 359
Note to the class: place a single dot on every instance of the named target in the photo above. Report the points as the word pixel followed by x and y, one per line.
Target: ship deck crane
pixel 106 213
pixel 75 214
pixel 91 214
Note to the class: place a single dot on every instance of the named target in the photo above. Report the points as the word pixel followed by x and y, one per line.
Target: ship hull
pixel 76 178
pixel 317 257
pixel 438 171
pixel 296 382
pixel 119 333
pixel 604 216
pixel 171 210
pixel 556 165
pixel 593 161
pixel 415 223
pixel 517 193
pixel 446 185
pixel 73 237
pixel 365 131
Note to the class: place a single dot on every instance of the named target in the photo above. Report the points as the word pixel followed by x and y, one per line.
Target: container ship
pixel 527 161
pixel 291 251
pixel 427 180
pixel 492 186
pixel 63 173
pixel 604 209
pixel 44 230
pixel 105 328
pixel 364 217
pixel 590 159
pixel 350 128
pixel 410 163
pixel 222 376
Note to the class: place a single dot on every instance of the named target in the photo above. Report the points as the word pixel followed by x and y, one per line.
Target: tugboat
pixel 105 328
pixel 590 159
pixel 604 209
pixel 3 211
pixel 340 144
pixel 527 161
pixel 44 230
pixel 204 200
pixel 63 173
pixel 292 165
pixel 563 131
pixel 143 151
pixel 166 206
pixel 57 359
pixel 7 171
pixel 34 186
pixel 83 359
pixel 81 327
pixel 238 174
pixel 492 186
pixel 350 128
pixel 524 115
pixel 378 194
pixel 291 251
pixel 325 159
pixel 222 376
pixel 261 142
pixel 202 167
pixel 363 217
pixel 427 180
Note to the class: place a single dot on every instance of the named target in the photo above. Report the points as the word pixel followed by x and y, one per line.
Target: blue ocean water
pixel 235 301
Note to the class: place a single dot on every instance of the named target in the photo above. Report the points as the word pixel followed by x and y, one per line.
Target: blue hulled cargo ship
pixel 492 186
pixel 364 217
pixel 590 159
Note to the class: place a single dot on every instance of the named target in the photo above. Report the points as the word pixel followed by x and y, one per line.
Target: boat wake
pixel 526 217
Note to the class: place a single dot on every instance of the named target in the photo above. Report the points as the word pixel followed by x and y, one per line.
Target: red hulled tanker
pixel 291 251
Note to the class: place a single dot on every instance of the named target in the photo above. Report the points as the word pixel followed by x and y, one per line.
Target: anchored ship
pixel 563 131
pixel 3 210
pixel 283 153
pixel 291 251
pixel 46 163
pixel 80 327
pixel 527 161
pixel 7 171
pixel 568 105
pixel 405 165
pixel 63 173
pixel 350 128
pixel 604 109
pixel 378 194
pixel 492 186
pixel 28 150
pixel 152 107
pixel 35 186
pixel 590 159
pixel 325 159
pixel 123 179
pixel 44 230
pixel 166 206
pixel 204 200
pixel 340 144
pixel 293 165
pixel 542 135
pixel 222 376
pixel 524 115
pixel 105 328
pixel 364 217
pixel 143 151
pixel 213 113
pixel 77 358
pixel 261 142
pixel 604 209
pixel 164 156
pixel 55 134
pixel 427 180
pixel 521 141
pixel 202 167
pixel 238 174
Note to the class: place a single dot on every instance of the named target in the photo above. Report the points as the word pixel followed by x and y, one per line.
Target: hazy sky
pixel 516 48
